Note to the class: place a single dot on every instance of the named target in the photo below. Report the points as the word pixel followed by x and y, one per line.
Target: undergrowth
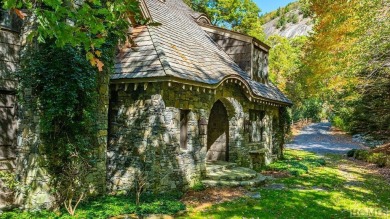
pixel 108 206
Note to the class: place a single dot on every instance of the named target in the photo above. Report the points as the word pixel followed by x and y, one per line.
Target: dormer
pixel 248 52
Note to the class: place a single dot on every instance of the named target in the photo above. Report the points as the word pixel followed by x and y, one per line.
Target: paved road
pixel 317 138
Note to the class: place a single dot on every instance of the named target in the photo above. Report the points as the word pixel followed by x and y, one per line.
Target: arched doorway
pixel 218 133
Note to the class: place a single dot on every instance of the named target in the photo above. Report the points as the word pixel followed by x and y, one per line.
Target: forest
pixel 339 72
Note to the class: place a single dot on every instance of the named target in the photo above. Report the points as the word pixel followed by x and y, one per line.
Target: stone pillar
pixel 100 171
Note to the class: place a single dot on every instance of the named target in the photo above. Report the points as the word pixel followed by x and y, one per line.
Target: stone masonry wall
pixel 144 133
pixel 34 190
pixel 9 58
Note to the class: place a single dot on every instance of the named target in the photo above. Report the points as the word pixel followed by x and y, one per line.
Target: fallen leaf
pixel 99 64
pixel 98 53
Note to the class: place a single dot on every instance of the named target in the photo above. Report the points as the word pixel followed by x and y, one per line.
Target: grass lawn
pixel 108 206
pixel 319 187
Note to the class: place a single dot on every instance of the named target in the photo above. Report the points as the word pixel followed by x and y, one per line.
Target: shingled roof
pixel 180 50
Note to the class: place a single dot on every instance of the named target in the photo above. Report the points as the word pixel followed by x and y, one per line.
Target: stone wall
pixel 9 57
pixel 144 133
pixel 34 190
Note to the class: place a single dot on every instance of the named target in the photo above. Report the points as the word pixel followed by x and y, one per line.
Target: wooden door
pixel 218 133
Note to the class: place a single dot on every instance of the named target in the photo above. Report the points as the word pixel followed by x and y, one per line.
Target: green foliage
pixel 311 108
pixel 291 7
pixel 198 186
pixel 351 153
pixel 293 18
pixel 281 22
pixel 63 88
pixel 287 72
pixel 278 12
pixel 86 23
pixel 379 159
pixel 297 162
pixel 284 129
pixel 304 8
pixel 361 155
pixel 347 60
pixel 8 180
pixel 241 16
pixel 109 206
pixel 338 122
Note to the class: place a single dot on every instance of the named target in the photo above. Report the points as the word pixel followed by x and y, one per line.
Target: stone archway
pixel 218 133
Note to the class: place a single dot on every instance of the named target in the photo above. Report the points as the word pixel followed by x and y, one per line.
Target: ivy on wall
pixel 64 96
pixel 284 127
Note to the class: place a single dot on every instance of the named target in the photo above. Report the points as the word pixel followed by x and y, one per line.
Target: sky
pixel 270 5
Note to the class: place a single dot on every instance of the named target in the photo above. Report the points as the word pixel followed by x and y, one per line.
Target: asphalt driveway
pixel 318 138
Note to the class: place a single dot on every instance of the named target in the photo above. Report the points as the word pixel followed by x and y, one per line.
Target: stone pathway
pixel 318 138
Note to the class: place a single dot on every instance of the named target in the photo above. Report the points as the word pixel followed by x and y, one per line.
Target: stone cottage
pixel 187 95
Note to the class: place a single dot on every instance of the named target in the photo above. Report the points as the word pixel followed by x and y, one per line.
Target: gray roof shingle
pixel 180 48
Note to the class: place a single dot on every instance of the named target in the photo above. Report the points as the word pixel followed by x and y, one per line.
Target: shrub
pixel 351 153
pixel 338 122
pixel 379 159
pixel 362 155
pixel 198 186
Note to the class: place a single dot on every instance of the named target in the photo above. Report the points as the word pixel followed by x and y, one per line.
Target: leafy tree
pixel 281 22
pixel 238 15
pixel 278 12
pixel 304 8
pixel 287 71
pixel 348 61
pixel 76 23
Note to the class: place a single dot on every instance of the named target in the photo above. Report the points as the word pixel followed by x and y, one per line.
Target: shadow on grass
pixel 334 190
pixel 297 162
pixel 108 206
pixel 278 204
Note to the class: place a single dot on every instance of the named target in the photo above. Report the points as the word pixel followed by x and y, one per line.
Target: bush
pixel 351 153
pixel 379 159
pixel 338 122
pixel 198 186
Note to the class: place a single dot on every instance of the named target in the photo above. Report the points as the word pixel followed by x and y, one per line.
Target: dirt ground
pixel 199 200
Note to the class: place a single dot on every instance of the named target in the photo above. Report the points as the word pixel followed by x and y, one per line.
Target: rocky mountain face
pixel 289 22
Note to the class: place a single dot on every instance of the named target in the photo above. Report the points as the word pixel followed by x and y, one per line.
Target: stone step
pixel 216 166
pixel 259 180
pixel 234 174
